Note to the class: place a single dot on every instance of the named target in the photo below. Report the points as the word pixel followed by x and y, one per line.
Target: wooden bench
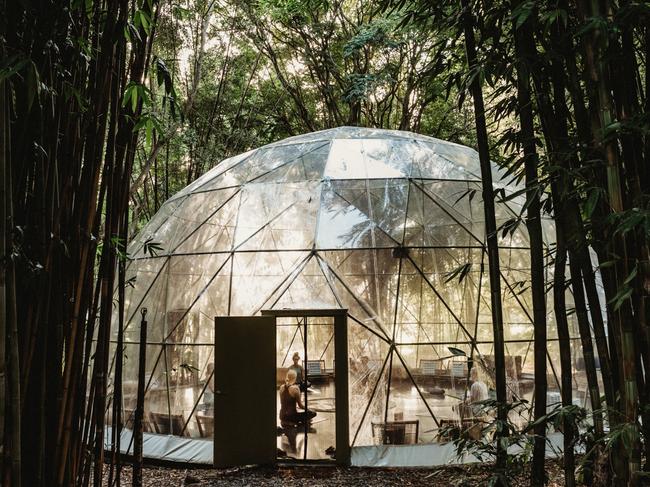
pixel 206 425
pixel 166 424
pixel 396 432
pixel 128 420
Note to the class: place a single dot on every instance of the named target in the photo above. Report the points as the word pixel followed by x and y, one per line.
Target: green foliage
pixel 117 244
pixel 142 19
pixel 624 291
pixel 630 221
pixel 522 12
pixel 151 124
pixel 27 71
pixel 134 94
pixel 292 10
pixel 593 197
pixel 358 86
pixel 552 16
pixel 518 439
pixel 378 33
pixel 151 248
pixel 461 272
pixel 273 69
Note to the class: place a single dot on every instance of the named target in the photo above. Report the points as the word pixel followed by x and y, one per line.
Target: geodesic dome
pixel 386 224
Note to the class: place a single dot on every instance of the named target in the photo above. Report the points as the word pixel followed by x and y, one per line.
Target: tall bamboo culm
pixel 490 231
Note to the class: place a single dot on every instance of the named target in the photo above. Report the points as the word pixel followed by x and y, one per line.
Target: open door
pixel 244 391
pixel 317 340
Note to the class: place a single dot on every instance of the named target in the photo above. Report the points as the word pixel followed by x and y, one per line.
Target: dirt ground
pixel 451 476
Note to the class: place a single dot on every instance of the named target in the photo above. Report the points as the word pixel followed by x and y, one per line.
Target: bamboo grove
pixel 570 81
pixel 107 107
pixel 68 145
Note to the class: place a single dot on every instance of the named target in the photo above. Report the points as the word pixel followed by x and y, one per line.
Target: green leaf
pixel 521 13
pixel 130 92
pixel 148 133
pixel 457 351
pixel 141 19
pixel 554 15
pixel 622 295
pixel 460 271
pixel 631 276
pixel 11 66
pixel 181 13
pixel 32 82
pixel 152 248
pixel 163 75
pixel 135 93
pixel 131 32
pixel 470 193
pixel 592 201
pixel 591 24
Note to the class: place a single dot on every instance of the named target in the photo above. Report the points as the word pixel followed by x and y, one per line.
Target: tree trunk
pixel 4 245
pixel 525 56
pixel 11 466
pixel 491 236
pixel 139 409
pixel 564 342
pixel 596 47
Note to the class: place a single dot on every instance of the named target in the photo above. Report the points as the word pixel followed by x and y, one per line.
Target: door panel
pixel 244 391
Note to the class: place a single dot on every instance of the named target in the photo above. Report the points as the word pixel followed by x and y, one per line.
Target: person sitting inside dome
pixel 478 392
pixel 300 372
pixel 289 398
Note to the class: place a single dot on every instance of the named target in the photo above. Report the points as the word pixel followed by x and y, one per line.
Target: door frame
pixel 340 374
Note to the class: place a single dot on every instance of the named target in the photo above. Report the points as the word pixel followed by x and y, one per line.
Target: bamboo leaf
pixel 460 271
pixel 148 133
pixel 457 351
pixel 470 193
pixel 622 295
pixel 521 13
pixel 152 248
pixel 592 201
pixel 11 66
pixel 141 19
pixel 552 16
pixel 181 13
pixel 32 82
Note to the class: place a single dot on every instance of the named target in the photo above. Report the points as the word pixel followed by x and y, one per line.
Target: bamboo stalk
pixel 564 341
pixel 13 418
pixel 4 163
pixel 139 409
pixel 491 235
pixel 525 53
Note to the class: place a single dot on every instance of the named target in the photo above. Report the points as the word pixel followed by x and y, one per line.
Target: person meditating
pixel 300 373
pixel 303 385
pixel 289 398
